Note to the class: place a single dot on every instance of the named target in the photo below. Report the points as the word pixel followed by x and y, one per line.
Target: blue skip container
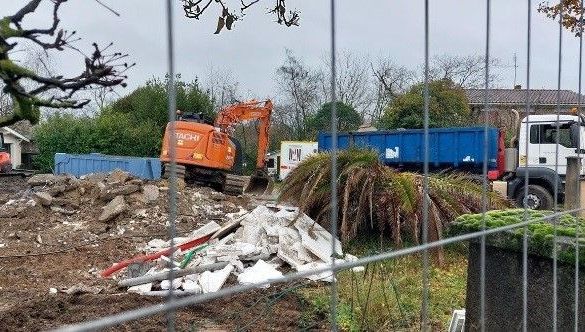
pixel 82 164
pixel 456 148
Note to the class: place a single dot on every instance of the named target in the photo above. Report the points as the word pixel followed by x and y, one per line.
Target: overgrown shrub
pixel 374 196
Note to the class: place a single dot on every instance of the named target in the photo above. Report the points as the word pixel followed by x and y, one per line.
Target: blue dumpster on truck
pixel 456 148
pixel 82 164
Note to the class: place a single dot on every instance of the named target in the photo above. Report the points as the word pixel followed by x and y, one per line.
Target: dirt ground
pixel 41 249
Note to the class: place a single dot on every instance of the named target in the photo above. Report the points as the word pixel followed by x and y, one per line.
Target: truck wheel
pixel 538 198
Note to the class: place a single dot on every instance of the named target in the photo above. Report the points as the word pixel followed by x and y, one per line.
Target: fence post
pixel 573 183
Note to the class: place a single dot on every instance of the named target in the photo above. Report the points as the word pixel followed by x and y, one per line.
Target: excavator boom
pixel 260 181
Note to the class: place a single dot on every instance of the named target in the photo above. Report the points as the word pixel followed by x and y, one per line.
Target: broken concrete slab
pixel 42 180
pixel 118 176
pixel 259 272
pixel 213 281
pixel 288 255
pixel 57 190
pixel 113 209
pixel 43 198
pixel 207 229
pixel 237 249
pixel 150 192
pixel 126 189
pixel 316 239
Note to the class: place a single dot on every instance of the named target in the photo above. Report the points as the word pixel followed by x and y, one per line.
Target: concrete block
pixel 150 192
pixel 113 209
pixel 43 198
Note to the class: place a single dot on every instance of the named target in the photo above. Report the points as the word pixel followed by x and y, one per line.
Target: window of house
pixel 547 134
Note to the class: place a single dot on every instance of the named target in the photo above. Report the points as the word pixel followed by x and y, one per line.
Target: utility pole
pixel 515 68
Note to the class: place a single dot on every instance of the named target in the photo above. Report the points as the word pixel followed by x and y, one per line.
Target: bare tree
pixel 353 85
pixel 196 8
pixel 391 81
pixel 299 88
pixel 466 71
pixel 222 87
pixel 29 90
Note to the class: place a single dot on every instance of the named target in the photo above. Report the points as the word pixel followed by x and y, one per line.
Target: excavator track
pixel 234 184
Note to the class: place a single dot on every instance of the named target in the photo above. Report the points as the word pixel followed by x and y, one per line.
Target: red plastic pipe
pixel 145 258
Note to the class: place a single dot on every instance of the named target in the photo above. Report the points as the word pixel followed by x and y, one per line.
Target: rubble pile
pixel 111 194
pixel 264 243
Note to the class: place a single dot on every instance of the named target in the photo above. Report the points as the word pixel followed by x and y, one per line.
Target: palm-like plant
pixel 372 195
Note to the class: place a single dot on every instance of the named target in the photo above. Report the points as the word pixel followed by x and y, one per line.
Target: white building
pixel 13 142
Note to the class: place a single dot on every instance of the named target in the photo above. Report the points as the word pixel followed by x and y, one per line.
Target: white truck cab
pixel 542 147
pixel 544 161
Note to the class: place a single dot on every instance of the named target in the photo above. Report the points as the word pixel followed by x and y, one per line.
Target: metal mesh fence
pixel 173 303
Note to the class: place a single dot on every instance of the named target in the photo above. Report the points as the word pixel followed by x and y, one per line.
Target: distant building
pixel 501 101
pixel 367 126
pixel 19 143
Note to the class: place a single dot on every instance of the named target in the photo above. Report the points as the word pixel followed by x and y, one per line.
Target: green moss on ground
pixel 570 231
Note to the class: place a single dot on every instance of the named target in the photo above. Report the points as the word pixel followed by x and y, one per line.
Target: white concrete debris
pixel 260 272
pixel 213 281
pixel 323 276
pixel 191 287
pixel 352 258
pixel 316 239
pixel 166 284
pixel 238 249
pixel 279 234
pixel 140 288
pixel 209 228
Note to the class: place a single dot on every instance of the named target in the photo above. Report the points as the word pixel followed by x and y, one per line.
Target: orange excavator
pixel 5 164
pixel 209 154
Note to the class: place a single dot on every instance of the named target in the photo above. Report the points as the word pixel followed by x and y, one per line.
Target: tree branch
pixel 53 91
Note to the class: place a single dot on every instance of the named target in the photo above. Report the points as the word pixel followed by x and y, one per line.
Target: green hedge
pixel 109 133
pixel 540 232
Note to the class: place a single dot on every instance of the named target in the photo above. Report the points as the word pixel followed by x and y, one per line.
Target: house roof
pixel 15 133
pixel 538 97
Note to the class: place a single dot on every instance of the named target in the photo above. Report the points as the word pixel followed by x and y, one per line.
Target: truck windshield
pixel 547 134
pixel 1 142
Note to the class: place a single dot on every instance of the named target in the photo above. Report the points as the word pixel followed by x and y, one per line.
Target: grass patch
pixel 388 295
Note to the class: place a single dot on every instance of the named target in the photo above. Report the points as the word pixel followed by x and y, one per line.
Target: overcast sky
pixel 256 46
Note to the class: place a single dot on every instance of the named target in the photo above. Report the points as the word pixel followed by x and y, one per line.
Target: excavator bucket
pixel 260 183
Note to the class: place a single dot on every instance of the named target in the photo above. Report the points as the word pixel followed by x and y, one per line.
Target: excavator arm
pixel 250 110
pixel 233 114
